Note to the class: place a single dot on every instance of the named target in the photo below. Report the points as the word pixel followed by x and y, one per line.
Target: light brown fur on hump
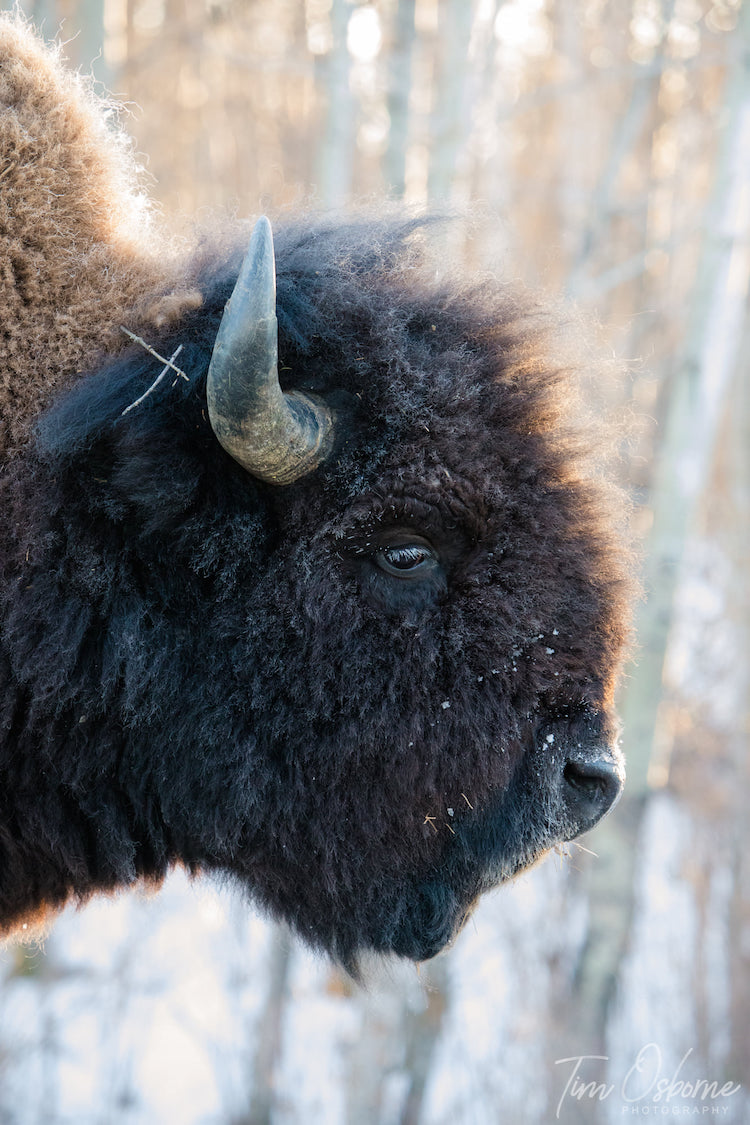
pixel 80 251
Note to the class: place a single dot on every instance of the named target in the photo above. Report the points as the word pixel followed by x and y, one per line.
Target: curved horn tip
pixel 261 241
pixel 255 288
pixel 262 225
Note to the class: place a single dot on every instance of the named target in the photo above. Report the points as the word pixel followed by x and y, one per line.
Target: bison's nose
pixel 591 785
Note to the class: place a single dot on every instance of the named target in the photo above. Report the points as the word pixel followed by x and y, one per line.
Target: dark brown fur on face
pixel 199 667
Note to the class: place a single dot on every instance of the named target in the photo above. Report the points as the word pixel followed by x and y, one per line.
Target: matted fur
pixel 201 668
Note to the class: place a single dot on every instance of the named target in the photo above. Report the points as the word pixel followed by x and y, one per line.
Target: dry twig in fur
pixel 168 363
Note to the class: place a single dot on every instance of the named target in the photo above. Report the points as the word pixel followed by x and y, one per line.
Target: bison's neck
pixel 60 842
pixel 43 867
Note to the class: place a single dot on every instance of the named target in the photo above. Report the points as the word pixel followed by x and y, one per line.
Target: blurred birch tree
pixel 605 148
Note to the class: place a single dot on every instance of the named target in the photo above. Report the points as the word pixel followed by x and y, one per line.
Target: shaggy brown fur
pixel 368 695
pixel 79 247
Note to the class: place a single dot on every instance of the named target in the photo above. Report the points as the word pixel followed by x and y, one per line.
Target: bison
pixel 307 580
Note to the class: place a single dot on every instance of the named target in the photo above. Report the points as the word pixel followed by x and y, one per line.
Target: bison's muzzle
pixel 568 792
pixel 590 786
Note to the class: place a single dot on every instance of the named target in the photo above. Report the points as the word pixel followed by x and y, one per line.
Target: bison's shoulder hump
pixel 74 222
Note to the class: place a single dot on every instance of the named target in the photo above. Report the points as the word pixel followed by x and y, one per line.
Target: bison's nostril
pixel 591 788
pixel 591 777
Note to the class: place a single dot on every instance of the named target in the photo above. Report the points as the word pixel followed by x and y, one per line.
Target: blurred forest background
pixel 604 147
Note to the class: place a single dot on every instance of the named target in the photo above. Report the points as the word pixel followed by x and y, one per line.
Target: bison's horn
pixel 275 436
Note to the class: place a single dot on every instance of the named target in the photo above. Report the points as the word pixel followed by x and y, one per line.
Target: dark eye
pixel 410 559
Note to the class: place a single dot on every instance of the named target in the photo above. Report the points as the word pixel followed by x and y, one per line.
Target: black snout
pixel 590 788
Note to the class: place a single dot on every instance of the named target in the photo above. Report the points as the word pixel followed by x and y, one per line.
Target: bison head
pixel 360 651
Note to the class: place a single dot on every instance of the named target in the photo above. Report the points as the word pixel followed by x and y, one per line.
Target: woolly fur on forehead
pixel 81 254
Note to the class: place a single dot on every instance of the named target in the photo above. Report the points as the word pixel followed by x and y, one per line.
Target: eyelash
pixel 412 558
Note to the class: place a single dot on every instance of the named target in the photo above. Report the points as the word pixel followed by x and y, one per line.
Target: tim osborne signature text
pixel 644 1084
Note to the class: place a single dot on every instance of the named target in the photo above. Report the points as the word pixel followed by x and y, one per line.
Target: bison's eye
pixel 411 558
